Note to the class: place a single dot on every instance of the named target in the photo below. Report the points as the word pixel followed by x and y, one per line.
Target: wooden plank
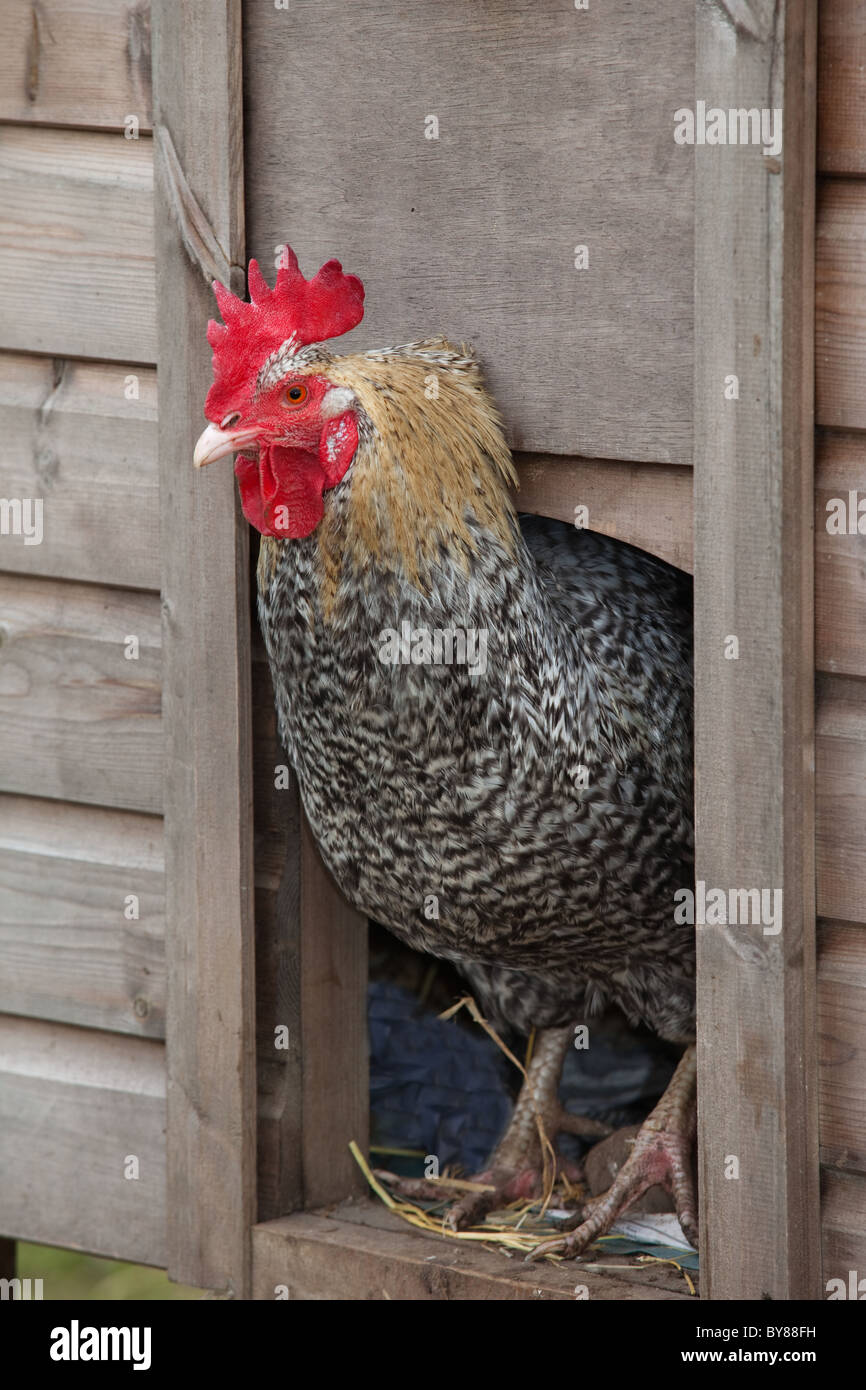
pixel 333 1017
pixel 278 894
pixel 840 787
pixel 311 969
pixel 78 719
pixel 842 1030
pixel 309 1256
pixel 554 132
pixel 76 244
pixel 75 1107
pixel 841 87
pixel 624 1272
pixel 648 505
pixel 82 437
pixel 757 1079
pixel 210 1028
pixel 840 558
pixel 843 1210
pixel 75 947
pixel 76 62
pixel 840 304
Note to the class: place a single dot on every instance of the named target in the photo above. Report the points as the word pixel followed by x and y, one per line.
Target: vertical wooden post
pixel 333 1018
pixel 753 583
pixel 311 963
pixel 198 123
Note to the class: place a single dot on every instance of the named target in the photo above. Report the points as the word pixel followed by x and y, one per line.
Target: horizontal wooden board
pixel 75 1105
pixel 76 244
pixel 361 1252
pixel 840 798
pixel 648 505
pixel 842 87
pixel 554 132
pixel 78 721
pixel 840 559
pixel 75 62
pixel 82 437
pixel 840 304
pixel 842 1029
pixel 843 1220
pixel 74 947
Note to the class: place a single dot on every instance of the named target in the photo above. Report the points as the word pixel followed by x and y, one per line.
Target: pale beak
pixel 214 443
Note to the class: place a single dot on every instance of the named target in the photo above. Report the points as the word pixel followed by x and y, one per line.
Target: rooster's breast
pixel 533 815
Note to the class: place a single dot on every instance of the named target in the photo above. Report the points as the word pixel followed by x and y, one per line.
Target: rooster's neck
pixel 432 469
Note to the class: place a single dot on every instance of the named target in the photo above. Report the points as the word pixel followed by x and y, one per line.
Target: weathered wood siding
pixel 82 884
pixel 76 62
pixel 840 630
pixel 80 725
pixel 456 156
pixel 82 1139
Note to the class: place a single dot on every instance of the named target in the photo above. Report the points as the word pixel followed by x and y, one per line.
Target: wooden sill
pixel 358 1250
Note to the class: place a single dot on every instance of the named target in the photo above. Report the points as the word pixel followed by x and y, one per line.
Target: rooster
pixel 489 714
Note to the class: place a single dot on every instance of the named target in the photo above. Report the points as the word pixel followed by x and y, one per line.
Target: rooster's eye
pixel 230 420
pixel 294 395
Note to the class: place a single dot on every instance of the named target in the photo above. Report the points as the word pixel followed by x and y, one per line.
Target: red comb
pixel 308 311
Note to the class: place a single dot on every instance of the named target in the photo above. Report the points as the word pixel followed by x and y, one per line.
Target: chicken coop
pixel 652 228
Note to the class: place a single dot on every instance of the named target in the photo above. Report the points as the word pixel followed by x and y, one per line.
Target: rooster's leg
pixel 662 1154
pixel 516 1167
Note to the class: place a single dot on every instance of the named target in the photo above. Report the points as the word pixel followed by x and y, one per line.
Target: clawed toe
pixel 661 1155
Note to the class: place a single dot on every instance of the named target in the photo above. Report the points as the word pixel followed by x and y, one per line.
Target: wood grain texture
pixel 75 62
pixel 841 87
pixel 76 244
pixel 757 1082
pixel 278 987
pixel 843 1211
pixel 648 505
pixel 311 971
pixel 312 982
pixel 210 1026
pixel 364 1253
pixel 842 1029
pixel 840 304
pixel 840 559
pixel 72 949
pixel 840 796
pixel 334 1044
pixel 78 720
pixel 74 1106
pixel 555 131
pixel 73 438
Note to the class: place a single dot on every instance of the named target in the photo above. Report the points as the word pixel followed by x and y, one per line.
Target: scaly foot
pixel 522 1161
pixel 662 1155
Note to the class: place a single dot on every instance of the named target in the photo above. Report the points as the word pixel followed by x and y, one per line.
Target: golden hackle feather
pixel 433 455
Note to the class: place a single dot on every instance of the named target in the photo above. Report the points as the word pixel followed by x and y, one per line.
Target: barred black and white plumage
pixel 541 807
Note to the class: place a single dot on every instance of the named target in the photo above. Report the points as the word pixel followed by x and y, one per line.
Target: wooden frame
pixel 757 1078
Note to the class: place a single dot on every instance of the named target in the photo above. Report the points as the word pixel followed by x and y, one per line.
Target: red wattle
pixel 247 474
pixel 281 491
